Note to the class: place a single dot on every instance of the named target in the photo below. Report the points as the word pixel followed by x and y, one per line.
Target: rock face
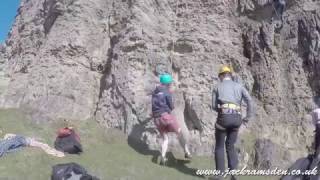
pixel 266 154
pixel 79 59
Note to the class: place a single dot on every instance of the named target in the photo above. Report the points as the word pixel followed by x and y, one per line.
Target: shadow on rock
pixel 141 147
pixel 138 145
pixel 180 165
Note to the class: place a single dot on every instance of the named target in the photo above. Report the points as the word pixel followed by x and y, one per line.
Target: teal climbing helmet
pixel 166 79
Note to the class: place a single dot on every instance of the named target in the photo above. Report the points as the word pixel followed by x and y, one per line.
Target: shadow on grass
pixel 142 148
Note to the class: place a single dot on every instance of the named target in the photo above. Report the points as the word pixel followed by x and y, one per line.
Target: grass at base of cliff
pixel 107 155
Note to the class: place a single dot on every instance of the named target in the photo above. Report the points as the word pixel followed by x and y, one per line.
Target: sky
pixel 8 10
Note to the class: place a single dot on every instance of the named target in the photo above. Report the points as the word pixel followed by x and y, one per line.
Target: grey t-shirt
pixel 229 91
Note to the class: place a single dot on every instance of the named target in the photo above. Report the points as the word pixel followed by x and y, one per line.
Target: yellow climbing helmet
pixel 225 69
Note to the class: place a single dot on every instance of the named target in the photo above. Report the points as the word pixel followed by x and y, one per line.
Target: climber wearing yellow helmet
pixel 226 100
pixel 224 69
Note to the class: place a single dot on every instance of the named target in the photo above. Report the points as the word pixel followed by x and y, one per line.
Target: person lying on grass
pixel 13 142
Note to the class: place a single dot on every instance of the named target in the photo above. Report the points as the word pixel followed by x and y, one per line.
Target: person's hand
pixel 171 88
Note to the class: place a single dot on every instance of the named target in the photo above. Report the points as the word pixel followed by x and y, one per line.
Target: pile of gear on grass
pixel 67 141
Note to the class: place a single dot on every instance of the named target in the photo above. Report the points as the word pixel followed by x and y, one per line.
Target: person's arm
pixel 313 117
pixel 250 107
pixel 215 100
pixel 169 101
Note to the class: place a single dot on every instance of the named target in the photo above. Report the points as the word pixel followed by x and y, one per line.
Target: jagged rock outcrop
pixel 79 59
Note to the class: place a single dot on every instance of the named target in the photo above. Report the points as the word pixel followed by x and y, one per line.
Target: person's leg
pixel 164 147
pixel 277 9
pixel 219 149
pixel 182 135
pixel 232 154
pixel 317 140
pixel 173 126
pixel 45 147
pixel 316 159
pixel 281 10
pixel 184 143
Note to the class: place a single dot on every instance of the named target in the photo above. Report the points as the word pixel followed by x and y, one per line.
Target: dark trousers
pixel 279 7
pixel 317 139
pixel 316 159
pixel 227 137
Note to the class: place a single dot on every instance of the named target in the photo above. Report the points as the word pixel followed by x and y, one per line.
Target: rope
pixel 275 10
pixel 174 28
pixel 279 17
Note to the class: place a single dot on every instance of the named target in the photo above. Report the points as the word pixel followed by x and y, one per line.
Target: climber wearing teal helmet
pixel 166 79
pixel 162 97
pixel 162 105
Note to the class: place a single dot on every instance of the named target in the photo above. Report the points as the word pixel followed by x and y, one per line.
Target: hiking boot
pixel 163 161
pixel 187 156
